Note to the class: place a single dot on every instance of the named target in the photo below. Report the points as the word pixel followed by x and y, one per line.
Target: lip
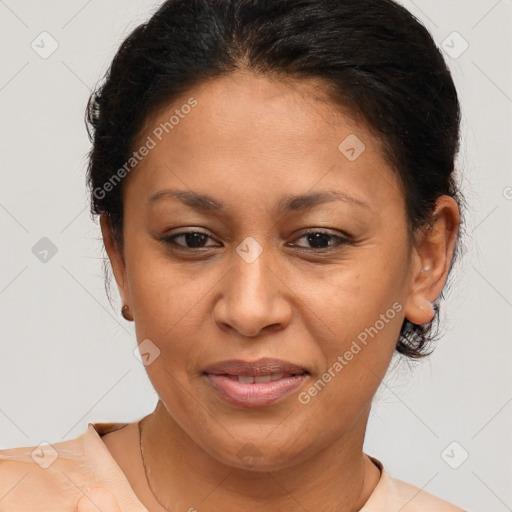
pixel 223 378
pixel 262 366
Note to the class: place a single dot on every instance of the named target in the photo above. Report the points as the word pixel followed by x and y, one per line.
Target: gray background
pixel 67 355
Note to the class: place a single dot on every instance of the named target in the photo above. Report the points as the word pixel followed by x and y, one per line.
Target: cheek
pixel 363 325
pixel 169 305
pixel 161 291
pixel 172 307
pixel 355 315
pixel 353 295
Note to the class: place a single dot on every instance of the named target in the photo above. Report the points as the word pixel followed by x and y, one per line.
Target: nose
pixel 254 298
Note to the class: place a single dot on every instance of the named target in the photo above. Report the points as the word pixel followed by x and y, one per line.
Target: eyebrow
pixel 289 203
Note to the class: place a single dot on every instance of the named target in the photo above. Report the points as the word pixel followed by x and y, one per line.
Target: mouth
pixel 252 379
pixel 255 384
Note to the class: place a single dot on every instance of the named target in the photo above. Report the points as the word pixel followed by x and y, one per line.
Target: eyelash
pixel 342 240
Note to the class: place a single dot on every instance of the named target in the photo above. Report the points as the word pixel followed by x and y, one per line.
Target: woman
pixel 276 192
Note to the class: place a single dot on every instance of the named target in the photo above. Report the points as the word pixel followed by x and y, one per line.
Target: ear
pixel 115 256
pixel 431 259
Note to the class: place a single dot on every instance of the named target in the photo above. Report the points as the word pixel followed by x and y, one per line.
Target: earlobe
pixel 419 310
pixel 428 309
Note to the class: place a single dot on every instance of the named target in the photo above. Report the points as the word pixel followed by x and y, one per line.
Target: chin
pixel 258 452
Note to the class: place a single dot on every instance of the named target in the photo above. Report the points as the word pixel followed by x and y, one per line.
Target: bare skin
pixel 250 141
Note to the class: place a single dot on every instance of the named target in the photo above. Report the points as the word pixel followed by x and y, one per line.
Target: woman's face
pixel 301 273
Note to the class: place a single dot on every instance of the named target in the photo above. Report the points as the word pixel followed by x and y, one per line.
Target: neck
pixel 182 476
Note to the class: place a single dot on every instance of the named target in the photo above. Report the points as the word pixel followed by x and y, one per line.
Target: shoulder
pixel 47 477
pixel 418 500
pixel 394 494
pixel 39 477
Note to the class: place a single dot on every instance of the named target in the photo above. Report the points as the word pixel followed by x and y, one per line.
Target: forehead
pixel 252 135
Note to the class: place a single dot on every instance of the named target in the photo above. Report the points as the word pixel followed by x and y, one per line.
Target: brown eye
pixel 322 240
pixel 189 239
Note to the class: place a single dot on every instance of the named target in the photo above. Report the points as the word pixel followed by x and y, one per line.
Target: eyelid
pixel 326 231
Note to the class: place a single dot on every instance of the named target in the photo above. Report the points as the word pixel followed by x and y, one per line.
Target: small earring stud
pixel 125 312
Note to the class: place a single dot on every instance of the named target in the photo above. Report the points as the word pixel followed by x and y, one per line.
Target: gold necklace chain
pixel 146 472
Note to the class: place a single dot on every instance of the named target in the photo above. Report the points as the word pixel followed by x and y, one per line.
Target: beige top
pixel 51 478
